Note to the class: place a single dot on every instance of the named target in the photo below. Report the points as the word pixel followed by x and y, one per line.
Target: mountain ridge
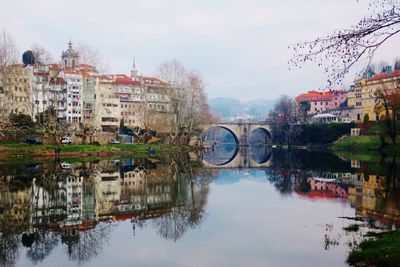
pixel 232 108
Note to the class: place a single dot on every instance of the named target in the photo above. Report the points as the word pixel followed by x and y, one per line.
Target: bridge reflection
pixel 234 156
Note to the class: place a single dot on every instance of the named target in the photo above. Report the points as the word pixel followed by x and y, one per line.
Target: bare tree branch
pixel 339 51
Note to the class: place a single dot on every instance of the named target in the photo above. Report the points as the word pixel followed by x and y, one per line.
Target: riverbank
pixel 382 249
pixel 364 144
pixel 18 150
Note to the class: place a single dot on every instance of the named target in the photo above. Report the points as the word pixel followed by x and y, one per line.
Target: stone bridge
pixel 241 131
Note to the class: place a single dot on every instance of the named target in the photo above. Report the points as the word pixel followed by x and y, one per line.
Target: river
pixel 274 208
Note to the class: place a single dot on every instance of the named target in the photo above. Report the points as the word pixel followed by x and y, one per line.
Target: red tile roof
pixel 124 80
pixel 384 75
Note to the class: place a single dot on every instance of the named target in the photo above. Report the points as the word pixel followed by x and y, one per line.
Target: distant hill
pixel 233 109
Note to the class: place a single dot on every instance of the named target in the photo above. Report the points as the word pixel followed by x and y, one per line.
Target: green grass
pixel 384 250
pixel 25 150
pixel 366 144
pixel 358 143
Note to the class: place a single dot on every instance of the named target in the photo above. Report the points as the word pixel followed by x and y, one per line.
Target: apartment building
pixel 15 90
pixel 107 114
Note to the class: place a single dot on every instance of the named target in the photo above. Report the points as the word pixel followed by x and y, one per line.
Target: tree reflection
pixel 43 243
pixel 189 199
pixel 9 248
pixel 83 246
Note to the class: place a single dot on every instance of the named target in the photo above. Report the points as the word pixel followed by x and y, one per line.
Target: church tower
pixel 134 72
pixel 69 58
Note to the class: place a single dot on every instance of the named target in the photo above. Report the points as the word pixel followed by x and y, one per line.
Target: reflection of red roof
pixel 321 195
pixel 86 65
pixel 41 73
pixel 57 80
pixel 70 71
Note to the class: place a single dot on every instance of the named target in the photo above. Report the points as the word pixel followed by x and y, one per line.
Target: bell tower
pixel 69 58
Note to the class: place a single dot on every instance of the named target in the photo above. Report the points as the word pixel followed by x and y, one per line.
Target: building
pixel 387 80
pixel 160 113
pixel 132 100
pixel 69 58
pixel 15 90
pixel 89 75
pixel 107 114
pixel 74 81
pixel 58 97
pixel 320 101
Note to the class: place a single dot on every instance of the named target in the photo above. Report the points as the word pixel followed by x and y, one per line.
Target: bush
pixel 21 120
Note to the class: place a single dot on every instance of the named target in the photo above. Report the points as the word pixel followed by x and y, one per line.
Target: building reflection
pixel 75 205
pixel 375 198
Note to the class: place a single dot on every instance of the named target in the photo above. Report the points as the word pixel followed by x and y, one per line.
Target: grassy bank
pixel 23 149
pixel 368 143
pixel 358 143
pixel 383 250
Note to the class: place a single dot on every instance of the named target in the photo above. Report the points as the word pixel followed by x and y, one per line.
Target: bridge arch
pixel 266 137
pixel 231 131
pixel 241 131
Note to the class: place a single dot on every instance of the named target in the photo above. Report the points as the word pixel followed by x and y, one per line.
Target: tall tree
pixel 188 100
pixel 304 109
pixel 47 121
pixel 8 49
pixel 283 121
pixel 91 56
pixel 42 55
pixel 339 51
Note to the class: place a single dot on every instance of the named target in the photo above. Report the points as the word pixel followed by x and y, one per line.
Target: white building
pixel 74 81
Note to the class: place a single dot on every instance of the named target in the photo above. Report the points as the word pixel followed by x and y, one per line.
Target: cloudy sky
pixel 240 47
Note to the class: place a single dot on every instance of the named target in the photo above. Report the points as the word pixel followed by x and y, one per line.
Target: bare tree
pixel 91 56
pixel 49 124
pixel 42 55
pixel 188 100
pixel 283 121
pixel 304 107
pixel 339 51
pixel 8 49
pixel 89 130
pixel 90 243
pixel 8 56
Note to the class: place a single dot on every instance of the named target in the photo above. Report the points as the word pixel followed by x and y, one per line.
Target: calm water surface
pixel 290 211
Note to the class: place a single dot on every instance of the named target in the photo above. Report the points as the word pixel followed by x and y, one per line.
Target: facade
pixel 363 97
pixel 132 100
pixel 107 105
pixel 89 75
pixel 79 94
pixel 58 97
pixel 388 81
pixel 74 81
pixel 320 101
pixel 159 105
pixel 15 90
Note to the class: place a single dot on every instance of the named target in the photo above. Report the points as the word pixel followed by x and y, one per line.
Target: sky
pixel 239 47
